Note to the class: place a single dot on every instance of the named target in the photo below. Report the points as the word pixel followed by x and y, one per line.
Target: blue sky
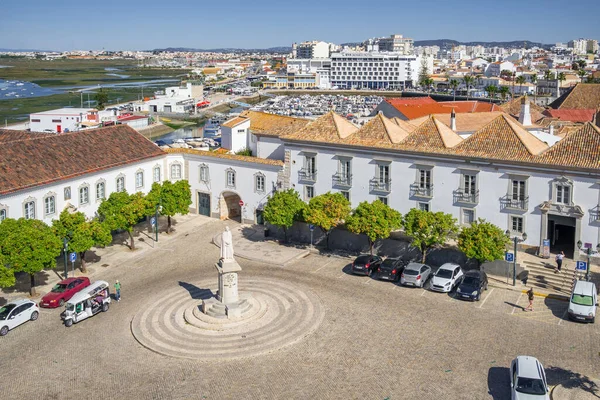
pixel 149 24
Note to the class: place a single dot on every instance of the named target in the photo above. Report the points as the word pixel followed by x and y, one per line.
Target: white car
pixel 446 278
pixel 583 302
pixel 528 379
pixel 16 313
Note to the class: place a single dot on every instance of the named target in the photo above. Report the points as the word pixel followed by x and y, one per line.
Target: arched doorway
pixel 229 206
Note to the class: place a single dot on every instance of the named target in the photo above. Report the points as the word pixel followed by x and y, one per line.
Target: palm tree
pixel 468 79
pixel 454 85
pixel 504 92
pixel 534 81
pixel 520 80
pixel 548 75
pixel 491 90
pixel 561 77
pixel 581 74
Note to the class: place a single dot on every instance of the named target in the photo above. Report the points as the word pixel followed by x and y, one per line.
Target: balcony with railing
pixel 461 196
pixel 307 175
pixel 509 203
pixel 381 186
pixel 342 180
pixel 416 190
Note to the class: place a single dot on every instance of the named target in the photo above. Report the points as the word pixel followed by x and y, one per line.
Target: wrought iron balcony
pixel 460 196
pixel 416 190
pixel 378 185
pixel 307 175
pixel 507 202
pixel 342 180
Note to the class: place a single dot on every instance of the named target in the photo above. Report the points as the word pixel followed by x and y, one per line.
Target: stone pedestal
pixel 228 281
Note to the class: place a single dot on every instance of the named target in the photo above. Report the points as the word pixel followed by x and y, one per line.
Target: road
pixel 377 340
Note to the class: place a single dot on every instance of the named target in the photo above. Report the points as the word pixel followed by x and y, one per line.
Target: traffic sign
pixel 72 257
pixel 241 203
pixel 311 227
pixel 153 221
pixel 510 257
pixel 581 266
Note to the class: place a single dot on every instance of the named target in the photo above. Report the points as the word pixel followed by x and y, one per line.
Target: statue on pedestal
pixel 226 245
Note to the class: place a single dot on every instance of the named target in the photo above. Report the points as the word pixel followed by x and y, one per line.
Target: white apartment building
pixel 314 49
pixel 495 68
pixel 583 46
pixel 375 70
pixel 308 65
pixel 396 44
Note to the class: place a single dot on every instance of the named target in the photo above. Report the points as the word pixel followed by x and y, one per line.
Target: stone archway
pixel 229 206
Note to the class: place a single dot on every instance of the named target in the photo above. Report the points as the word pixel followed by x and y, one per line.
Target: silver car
pixel 415 274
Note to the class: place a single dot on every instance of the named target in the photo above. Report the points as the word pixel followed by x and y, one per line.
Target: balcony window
pixel 381 182
pixel 309 172
pixel 343 177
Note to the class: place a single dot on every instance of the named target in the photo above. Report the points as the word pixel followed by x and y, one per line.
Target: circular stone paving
pixel 278 315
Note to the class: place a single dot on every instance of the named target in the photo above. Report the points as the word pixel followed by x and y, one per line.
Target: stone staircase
pixel 542 275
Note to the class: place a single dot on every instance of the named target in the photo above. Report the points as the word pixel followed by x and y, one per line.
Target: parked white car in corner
pixel 446 278
pixel 16 313
pixel 583 302
pixel 528 379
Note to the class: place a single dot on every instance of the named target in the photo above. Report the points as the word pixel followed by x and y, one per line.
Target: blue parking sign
pixel 510 257
pixel 311 227
pixel 581 266
pixel 72 257
pixel 153 221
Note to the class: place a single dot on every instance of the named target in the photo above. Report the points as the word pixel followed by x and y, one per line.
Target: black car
pixel 473 283
pixel 390 269
pixel 365 264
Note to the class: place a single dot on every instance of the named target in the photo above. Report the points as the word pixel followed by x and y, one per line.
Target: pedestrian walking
pixel 559 261
pixel 118 290
pixel 530 297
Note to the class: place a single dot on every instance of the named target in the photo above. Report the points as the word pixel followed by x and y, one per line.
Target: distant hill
pixel 448 43
pixel 274 50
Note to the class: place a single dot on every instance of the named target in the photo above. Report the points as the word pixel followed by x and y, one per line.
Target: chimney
pixel 551 129
pixel 453 120
pixel 525 114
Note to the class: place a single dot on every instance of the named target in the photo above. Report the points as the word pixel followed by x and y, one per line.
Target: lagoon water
pixel 10 90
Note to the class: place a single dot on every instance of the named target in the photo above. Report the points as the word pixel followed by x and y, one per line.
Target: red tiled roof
pixel 413 111
pixel 10 135
pixel 572 115
pixel 580 148
pixel 45 159
pixel 132 118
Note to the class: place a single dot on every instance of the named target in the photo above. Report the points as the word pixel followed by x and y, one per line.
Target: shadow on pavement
pixel 571 380
pixel 558 307
pixel 516 305
pixel 196 292
pixel 499 383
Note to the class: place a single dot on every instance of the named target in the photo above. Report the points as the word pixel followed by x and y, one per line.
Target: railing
pixel 416 190
pixel 378 185
pixel 460 196
pixel 507 202
pixel 307 175
pixel 342 180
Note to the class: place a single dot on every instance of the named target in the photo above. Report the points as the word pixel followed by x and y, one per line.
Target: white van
pixel 583 302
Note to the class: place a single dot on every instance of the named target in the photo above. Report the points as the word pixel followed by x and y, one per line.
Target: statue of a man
pixel 226 245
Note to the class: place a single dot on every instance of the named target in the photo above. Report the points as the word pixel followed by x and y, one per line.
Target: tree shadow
pixel 499 383
pixel 571 380
pixel 23 282
pixel 196 292
pixel 92 257
pixel 556 306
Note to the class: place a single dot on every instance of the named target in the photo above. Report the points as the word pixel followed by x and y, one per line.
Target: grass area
pixel 66 72
pixel 176 124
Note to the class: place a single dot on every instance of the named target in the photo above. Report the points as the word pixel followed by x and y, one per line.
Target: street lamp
pixel 156 211
pixel 65 245
pixel 589 253
pixel 515 240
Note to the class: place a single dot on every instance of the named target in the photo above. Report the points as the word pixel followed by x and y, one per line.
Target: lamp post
pixel 516 240
pixel 589 254
pixel 65 244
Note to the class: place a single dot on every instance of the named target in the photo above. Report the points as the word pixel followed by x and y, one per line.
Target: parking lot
pixel 377 340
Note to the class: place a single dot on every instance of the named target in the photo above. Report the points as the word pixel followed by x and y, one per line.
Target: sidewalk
pixel 249 243
pixel 99 260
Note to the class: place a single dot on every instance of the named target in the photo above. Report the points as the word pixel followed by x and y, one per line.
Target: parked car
pixel 446 278
pixel 583 302
pixel 415 274
pixel 63 291
pixel 16 313
pixel 471 286
pixel 528 379
pixel 365 264
pixel 390 269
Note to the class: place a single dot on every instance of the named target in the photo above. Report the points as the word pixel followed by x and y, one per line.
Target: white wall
pixel 493 183
pixel 14 203
pixel 236 138
pixel 51 122
pixel 270 147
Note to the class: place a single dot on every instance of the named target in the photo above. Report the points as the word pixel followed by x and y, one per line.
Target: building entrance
pixel 561 232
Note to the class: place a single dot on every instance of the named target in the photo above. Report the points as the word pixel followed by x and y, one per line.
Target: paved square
pixel 377 340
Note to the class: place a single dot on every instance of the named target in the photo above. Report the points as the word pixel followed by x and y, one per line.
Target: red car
pixel 63 291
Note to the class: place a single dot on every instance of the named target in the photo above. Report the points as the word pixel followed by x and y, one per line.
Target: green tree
pixel 327 211
pixel 469 80
pixel 172 198
pixel 582 64
pixel 454 85
pixel 520 80
pixel 375 220
pixel 81 234
pixel 424 71
pixel 504 92
pixel 122 211
pixel 428 229
pixel 482 241
pixel 283 208
pixel 244 152
pixel 28 245
pixel 101 98
pixel 561 77
pixel 581 74
pixel 491 90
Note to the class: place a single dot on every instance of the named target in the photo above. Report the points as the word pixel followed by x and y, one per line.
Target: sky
pixel 151 24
